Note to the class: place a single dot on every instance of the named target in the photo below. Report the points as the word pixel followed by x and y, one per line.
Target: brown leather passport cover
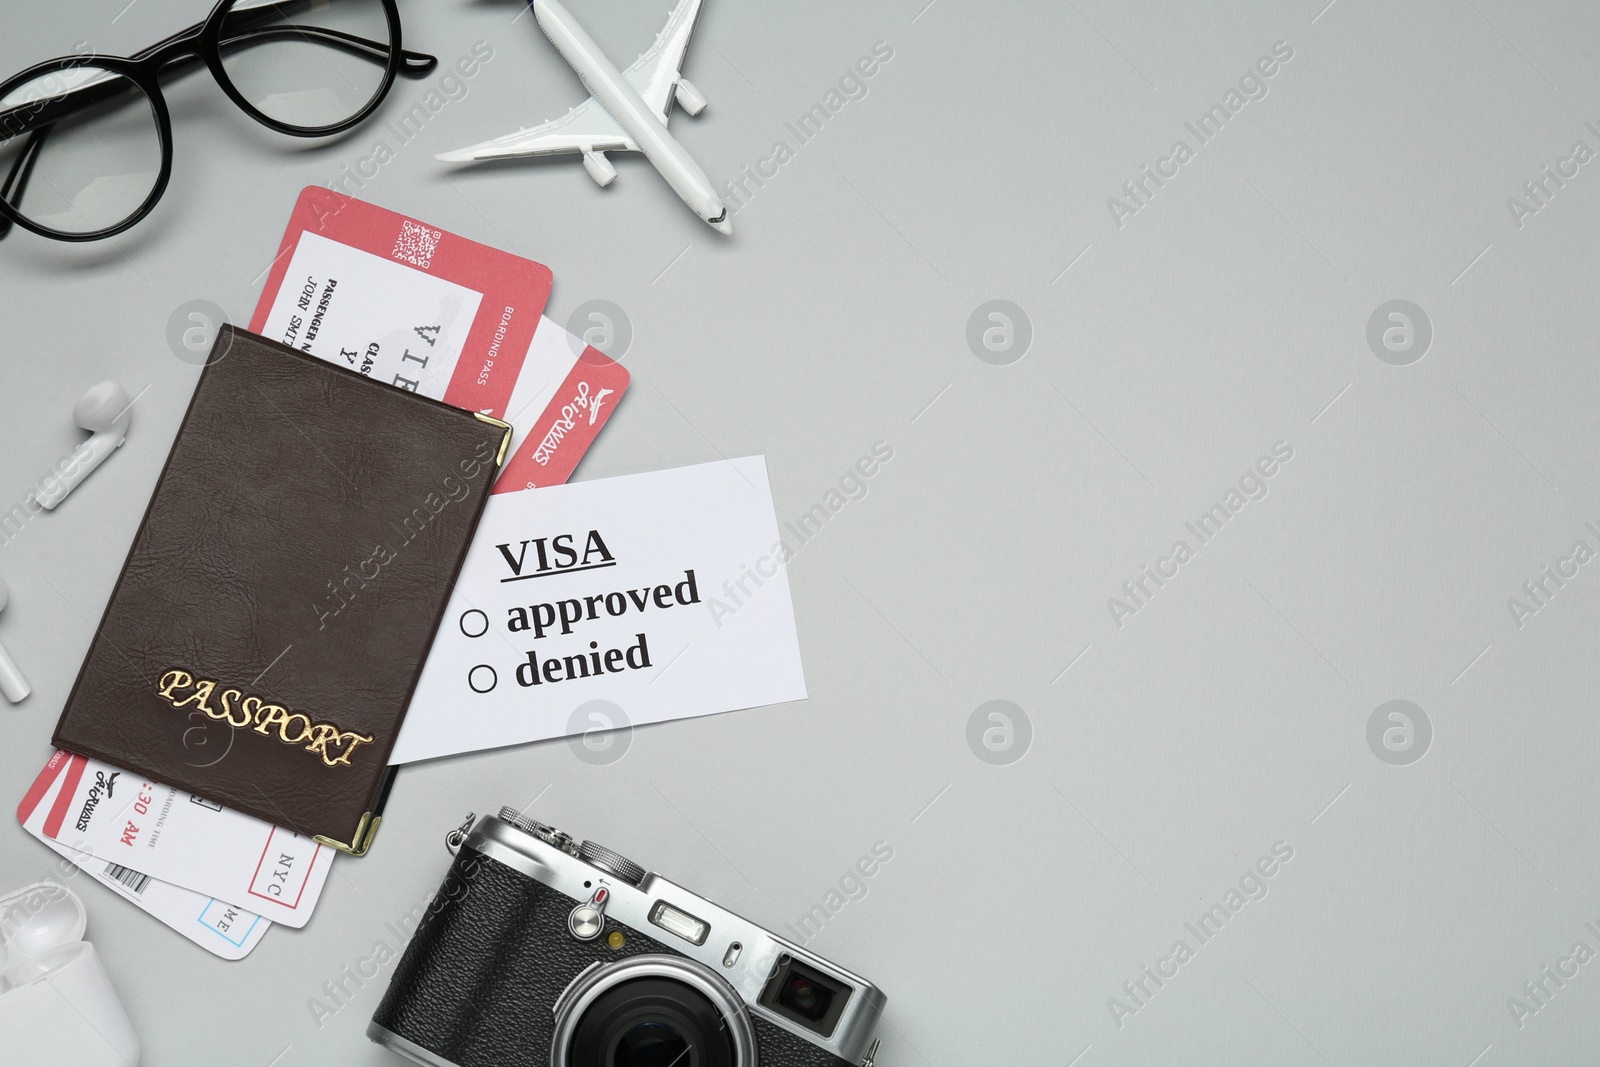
pixel 270 623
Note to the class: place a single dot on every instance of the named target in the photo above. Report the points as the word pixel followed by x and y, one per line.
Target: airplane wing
pixel 656 74
pixel 587 128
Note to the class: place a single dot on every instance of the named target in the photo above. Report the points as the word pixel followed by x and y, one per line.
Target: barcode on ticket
pixel 133 881
pixel 416 244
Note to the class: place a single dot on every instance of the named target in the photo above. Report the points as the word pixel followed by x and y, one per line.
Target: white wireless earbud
pixel 12 683
pixel 103 411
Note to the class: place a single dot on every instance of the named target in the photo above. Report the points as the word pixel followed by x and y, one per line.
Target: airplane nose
pixel 724 226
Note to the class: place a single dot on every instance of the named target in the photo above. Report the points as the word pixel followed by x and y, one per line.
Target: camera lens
pixel 652 1022
pixel 652 1010
pixel 651 1044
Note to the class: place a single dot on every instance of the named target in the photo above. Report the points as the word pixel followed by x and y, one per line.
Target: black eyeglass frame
pixel 201 42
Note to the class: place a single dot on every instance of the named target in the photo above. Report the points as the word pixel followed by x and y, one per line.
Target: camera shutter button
pixel 589 918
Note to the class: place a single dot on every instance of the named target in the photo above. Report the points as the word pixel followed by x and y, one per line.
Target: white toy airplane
pixel 626 111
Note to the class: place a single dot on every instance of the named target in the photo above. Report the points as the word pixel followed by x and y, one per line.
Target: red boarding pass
pixel 573 388
pixel 396 299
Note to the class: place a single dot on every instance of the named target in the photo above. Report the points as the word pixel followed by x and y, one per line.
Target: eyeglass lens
pixel 308 64
pixel 82 147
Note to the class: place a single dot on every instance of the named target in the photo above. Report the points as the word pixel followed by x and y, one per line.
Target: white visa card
pixel 119 817
pixel 662 594
pixel 221 929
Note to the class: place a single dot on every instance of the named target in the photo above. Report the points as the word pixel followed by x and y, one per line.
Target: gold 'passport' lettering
pixel 182 689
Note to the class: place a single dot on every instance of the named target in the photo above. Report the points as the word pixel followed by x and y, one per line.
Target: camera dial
pixel 613 863
pixel 543 831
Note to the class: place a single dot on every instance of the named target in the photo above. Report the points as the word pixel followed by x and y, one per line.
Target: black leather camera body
pixel 541 951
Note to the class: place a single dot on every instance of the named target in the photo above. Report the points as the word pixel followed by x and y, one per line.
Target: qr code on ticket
pixel 416 244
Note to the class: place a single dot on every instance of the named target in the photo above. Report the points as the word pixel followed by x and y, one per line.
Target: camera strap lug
pixel 453 840
pixel 872 1052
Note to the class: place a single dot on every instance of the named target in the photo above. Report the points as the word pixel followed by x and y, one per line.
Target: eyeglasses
pixel 86 141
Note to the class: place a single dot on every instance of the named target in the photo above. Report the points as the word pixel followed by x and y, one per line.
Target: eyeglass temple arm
pixel 42 114
pixel 36 114
pixel 412 64
pixel 16 182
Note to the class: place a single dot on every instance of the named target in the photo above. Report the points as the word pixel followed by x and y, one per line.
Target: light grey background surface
pixel 1162 757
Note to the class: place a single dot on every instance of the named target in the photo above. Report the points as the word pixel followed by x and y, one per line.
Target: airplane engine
pixel 599 168
pixel 689 97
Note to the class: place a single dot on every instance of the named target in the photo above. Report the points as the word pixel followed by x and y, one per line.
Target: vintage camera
pixel 541 950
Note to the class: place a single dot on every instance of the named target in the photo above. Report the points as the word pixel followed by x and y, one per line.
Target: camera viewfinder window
pixel 805 995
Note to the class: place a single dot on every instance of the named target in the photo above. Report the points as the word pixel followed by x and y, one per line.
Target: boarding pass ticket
pixel 434 313
pixel 119 817
pixel 220 928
